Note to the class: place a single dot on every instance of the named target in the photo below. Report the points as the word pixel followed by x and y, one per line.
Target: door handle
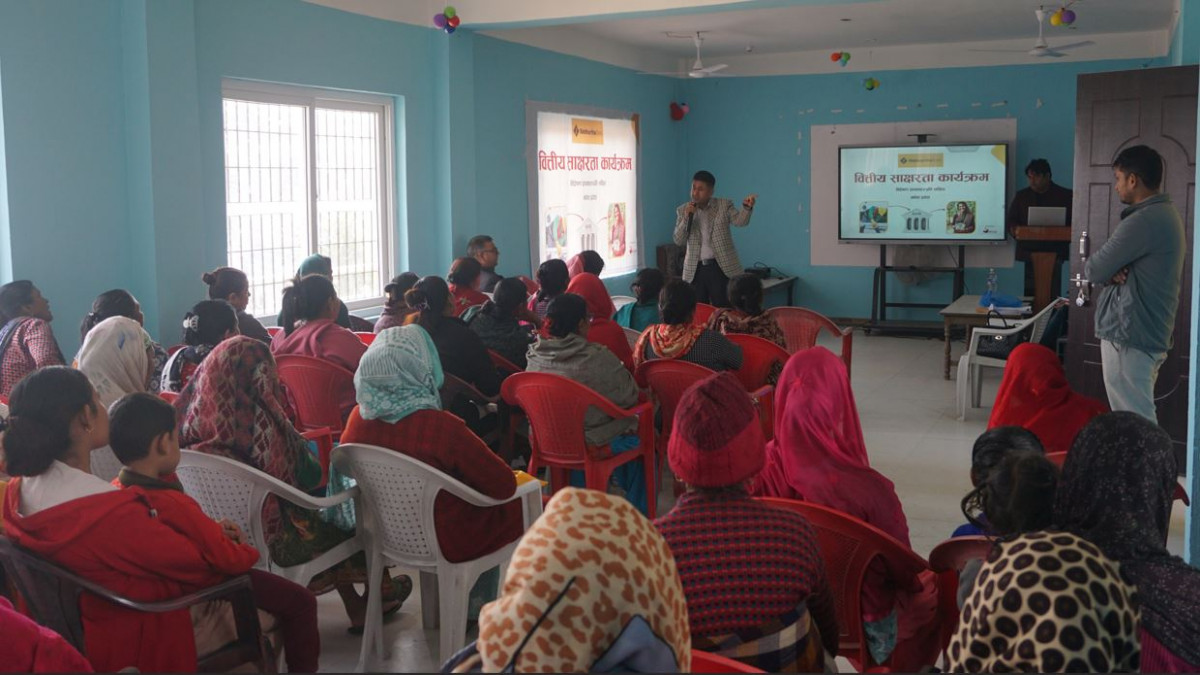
pixel 1083 245
pixel 1084 286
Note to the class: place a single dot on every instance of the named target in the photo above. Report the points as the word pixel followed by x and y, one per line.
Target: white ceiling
pixel 796 36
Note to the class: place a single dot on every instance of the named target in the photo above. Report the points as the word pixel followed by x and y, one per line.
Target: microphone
pixel 691 217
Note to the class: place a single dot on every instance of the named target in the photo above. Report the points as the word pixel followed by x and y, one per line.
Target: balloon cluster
pixel 870 84
pixel 448 20
pixel 678 110
pixel 1062 17
pixel 844 57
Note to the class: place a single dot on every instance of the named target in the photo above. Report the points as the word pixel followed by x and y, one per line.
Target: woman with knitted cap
pixel 752 573
pixel 818 455
pixel 591 588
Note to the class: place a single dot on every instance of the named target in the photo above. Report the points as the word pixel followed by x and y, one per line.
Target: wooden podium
pixel 1043 261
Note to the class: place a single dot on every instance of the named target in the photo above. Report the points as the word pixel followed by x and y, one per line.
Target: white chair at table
pixel 226 488
pixel 396 523
pixel 971 364
pixel 620 301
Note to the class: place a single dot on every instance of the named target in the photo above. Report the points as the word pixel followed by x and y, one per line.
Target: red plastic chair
pixel 848 545
pixel 802 326
pixel 703 662
pixel 365 337
pixel 324 439
pixel 168 396
pixel 315 385
pixel 555 407
pixel 704 311
pixel 174 348
pixel 948 559
pixel 274 330
pixel 530 285
pixel 502 364
pixel 1180 494
pixel 667 379
pixel 759 356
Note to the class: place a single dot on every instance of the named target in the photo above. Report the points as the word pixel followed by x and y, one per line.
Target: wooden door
pixel 1154 107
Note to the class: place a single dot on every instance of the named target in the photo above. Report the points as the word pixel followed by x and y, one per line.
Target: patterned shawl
pixel 669 341
pixel 117 356
pixel 233 408
pixel 1116 489
pixel 759 325
pixel 1047 602
pixel 592 587
pixel 400 374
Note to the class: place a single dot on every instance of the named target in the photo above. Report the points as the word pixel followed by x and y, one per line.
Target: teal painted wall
pixel 506 75
pixel 744 130
pixel 1185 40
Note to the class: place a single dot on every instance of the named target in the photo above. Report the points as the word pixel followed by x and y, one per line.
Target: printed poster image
pixel 873 216
pixel 587 192
pixel 960 218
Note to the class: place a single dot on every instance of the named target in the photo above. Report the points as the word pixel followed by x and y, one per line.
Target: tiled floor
pixel 913 437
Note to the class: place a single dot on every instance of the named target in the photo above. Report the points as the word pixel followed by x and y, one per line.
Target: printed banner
pixel 587 178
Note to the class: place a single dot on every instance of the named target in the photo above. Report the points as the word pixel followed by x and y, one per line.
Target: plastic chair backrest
pixel 365 337
pixel 632 336
pixel 704 311
pixel 502 364
pixel 801 327
pixel 848 546
pixel 104 464
pixel 530 285
pixel 758 357
pixel 228 489
pixel 704 662
pixel 49 590
pixel 174 348
pixel 948 559
pixel 315 384
pixel 668 379
pixel 274 330
pixel 555 406
pixel 620 301
pixel 1180 494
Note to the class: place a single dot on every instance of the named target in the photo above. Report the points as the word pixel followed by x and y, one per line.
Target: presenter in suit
pixel 702 226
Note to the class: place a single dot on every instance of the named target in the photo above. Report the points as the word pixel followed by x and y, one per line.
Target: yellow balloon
pixel 1056 18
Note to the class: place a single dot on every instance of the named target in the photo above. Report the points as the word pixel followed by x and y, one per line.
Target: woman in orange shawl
pixel 1034 394
pixel 602 329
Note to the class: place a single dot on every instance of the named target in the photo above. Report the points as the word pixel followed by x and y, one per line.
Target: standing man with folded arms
pixel 702 227
pixel 1140 269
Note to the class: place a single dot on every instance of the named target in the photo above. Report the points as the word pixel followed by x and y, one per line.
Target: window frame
pixel 313 98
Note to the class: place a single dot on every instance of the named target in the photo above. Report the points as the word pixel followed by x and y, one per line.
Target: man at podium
pixel 1044 194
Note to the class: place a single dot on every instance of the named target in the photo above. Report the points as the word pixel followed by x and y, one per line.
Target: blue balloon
pixel 449 29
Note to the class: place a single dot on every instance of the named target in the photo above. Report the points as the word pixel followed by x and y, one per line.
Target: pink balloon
pixel 684 107
pixel 439 20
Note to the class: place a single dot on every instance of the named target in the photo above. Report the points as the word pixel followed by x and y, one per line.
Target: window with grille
pixel 307 171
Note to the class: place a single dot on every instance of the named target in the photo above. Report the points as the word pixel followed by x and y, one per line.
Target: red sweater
pixel 744 563
pixel 121 541
pixel 444 442
pixel 30 648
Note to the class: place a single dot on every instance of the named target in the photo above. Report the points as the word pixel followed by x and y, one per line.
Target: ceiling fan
pixel 699 70
pixel 1040 48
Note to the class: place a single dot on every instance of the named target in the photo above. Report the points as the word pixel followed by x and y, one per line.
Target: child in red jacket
pixel 143 435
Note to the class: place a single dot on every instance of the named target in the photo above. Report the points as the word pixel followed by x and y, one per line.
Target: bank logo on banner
pixel 590 132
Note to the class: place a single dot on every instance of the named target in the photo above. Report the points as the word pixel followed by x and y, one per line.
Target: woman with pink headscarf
pixel 818 455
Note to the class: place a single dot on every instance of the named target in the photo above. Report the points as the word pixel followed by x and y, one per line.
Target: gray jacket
pixel 717 217
pixel 1149 241
pixel 596 367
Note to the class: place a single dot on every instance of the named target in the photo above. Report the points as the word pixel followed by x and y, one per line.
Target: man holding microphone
pixel 702 226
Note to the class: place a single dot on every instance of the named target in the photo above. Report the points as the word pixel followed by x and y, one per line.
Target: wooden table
pixel 965 312
pixel 786 283
pixel 1043 261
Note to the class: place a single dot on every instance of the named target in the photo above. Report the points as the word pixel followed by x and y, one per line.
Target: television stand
pixel 880 303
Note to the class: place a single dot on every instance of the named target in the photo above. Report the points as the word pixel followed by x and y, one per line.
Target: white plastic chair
pixel 631 335
pixel 620 301
pixel 104 464
pixel 396 523
pixel 971 364
pixel 226 488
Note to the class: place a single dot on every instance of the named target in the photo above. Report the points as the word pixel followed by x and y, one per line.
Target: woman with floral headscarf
pixel 592 587
pixel 399 408
pixel 118 358
pixel 1116 490
pixel 233 408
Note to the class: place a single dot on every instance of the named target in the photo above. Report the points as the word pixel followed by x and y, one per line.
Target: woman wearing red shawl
pixel 818 455
pixel 233 408
pixel 602 329
pixel 1034 394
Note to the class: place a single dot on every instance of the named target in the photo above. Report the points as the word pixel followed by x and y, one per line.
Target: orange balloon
pixel 835 57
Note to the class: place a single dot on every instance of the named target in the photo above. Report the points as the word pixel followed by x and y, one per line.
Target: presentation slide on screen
pixel 952 194
pixel 587 189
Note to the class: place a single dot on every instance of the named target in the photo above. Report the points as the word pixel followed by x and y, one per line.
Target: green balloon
pixel 449 11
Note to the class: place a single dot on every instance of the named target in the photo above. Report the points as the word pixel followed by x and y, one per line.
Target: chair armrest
pixel 762 392
pixel 616 412
pixel 476 498
pixel 217 592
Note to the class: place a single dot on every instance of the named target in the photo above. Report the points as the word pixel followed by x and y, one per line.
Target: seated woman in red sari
pixel 818 455
pixel 1034 394
pixel 400 408
pixel 26 340
pixel 602 329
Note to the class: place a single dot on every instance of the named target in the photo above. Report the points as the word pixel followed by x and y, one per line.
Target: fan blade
pixel 713 69
pixel 1073 45
pixel 1000 51
pixel 1051 53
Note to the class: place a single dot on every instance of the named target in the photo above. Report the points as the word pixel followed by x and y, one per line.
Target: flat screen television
pixel 940 194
